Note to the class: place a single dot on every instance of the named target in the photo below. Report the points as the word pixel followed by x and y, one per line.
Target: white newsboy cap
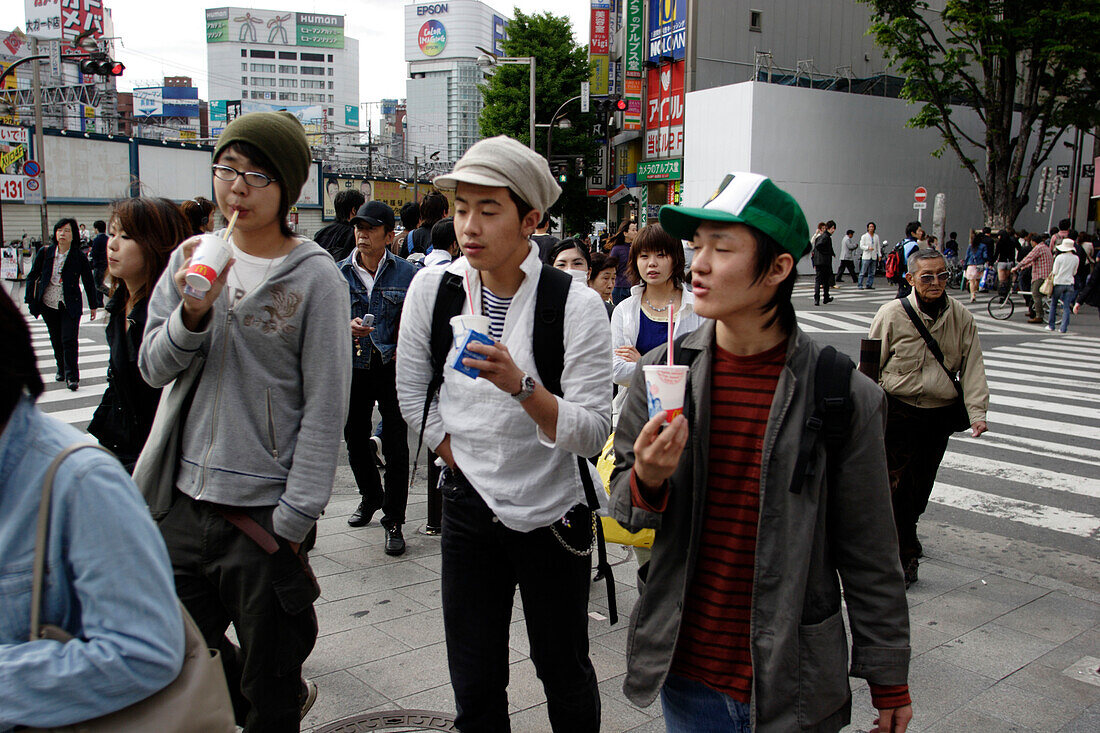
pixel 502 162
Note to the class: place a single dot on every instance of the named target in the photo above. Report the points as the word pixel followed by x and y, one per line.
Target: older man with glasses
pixel 934 377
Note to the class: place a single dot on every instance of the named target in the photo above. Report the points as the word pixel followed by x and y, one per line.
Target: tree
pixel 1029 70
pixel 560 67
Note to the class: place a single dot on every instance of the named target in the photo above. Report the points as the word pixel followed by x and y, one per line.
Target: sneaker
pixel 376 449
pixel 1050 328
pixel 911 572
pixel 307 697
pixel 395 541
pixel 362 515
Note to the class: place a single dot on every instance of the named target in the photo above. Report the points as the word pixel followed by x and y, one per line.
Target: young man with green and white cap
pixel 513 499
pixel 739 625
pixel 257 453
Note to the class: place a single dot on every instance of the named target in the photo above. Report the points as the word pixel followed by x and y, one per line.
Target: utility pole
pixel 370 149
pixel 416 178
pixel 39 145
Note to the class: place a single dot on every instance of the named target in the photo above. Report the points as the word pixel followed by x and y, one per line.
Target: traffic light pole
pixel 554 119
pixel 39 144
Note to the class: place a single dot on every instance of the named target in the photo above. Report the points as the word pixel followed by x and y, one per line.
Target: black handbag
pixel 960 418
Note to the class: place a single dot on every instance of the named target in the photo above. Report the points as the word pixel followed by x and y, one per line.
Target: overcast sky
pixel 169 39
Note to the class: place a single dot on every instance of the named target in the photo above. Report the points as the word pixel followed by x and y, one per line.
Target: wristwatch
pixel 526 388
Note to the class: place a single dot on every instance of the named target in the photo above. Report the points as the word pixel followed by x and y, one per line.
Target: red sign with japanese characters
pixel 664 136
pixel 600 40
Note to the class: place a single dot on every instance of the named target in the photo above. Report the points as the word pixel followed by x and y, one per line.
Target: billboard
pixel 664 134
pixel 167 102
pixel 667 29
pixel 388 192
pixel 278 28
pixel 599 41
pixel 64 18
pixel 43 18
pixel 599 78
pixel 435 31
pixel 351 115
pixel 633 55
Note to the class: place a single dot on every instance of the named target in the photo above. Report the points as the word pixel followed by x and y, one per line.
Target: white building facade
pixel 443 100
pixel 272 59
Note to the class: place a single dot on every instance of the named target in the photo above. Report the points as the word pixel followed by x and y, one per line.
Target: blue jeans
pixel 1065 294
pixel 867 271
pixel 692 707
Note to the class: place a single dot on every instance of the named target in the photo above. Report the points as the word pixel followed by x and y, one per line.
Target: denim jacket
pixel 108 583
pixel 391 282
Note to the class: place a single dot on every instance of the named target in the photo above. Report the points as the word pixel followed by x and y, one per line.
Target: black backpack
pixel 548 342
pixel 831 418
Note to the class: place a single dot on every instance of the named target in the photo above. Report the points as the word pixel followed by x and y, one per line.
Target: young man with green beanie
pixel 512 490
pixel 739 625
pixel 258 450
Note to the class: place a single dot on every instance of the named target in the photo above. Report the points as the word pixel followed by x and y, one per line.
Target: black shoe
pixel 829 300
pixel 59 377
pixel 73 386
pixel 911 571
pixel 306 697
pixel 817 303
pixel 395 541
pixel 362 515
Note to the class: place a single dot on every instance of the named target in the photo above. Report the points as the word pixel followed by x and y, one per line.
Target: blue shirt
pixel 109 583
pixel 385 301
pixel 651 334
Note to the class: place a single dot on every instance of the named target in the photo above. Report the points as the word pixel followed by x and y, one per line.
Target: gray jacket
pixel 265 425
pixel 807 543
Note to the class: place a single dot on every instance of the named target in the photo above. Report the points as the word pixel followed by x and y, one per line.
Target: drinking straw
pixel 671 327
pixel 232 223
pixel 469 293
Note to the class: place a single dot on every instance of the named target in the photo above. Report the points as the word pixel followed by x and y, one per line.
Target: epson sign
pixel 437 9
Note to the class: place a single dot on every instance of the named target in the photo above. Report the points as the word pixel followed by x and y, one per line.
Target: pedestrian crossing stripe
pixel 1041 391
pixel 1089 413
pixel 1042 516
pixel 1038 477
pixel 1031 447
pixel 63 394
pixel 1037 366
pixel 1053 381
pixel 1058 427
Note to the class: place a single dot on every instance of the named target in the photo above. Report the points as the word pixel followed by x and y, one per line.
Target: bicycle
pixel 1000 305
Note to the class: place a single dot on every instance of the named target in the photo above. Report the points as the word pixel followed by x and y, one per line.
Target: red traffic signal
pixel 102 67
pixel 620 105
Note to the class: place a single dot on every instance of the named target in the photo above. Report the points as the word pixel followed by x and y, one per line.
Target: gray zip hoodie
pixel 265 425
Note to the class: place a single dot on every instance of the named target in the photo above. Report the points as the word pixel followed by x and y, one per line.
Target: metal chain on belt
pixel 569 547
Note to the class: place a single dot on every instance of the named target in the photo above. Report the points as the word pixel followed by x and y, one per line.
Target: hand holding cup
pixel 657 452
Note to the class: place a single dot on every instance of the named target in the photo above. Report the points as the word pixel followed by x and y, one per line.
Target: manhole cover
pixel 392 720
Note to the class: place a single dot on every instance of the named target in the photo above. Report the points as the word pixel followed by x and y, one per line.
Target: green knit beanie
pixel 279 136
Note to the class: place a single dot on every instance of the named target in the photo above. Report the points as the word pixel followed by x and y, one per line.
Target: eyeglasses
pixel 928 278
pixel 252 178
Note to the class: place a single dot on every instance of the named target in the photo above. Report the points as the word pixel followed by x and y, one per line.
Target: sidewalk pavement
pixel 992 650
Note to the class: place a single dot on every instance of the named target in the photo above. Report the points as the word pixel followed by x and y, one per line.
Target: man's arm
pixel 168 346
pixel 972 376
pixel 414 366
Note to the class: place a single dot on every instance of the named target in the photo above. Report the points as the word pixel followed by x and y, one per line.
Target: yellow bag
pixel 612 530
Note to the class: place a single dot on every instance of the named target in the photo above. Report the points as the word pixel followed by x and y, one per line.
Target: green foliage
pixel 1028 69
pixel 560 67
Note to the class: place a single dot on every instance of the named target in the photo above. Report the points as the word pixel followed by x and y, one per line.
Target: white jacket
pixel 871 246
pixel 527 480
pixel 1065 267
pixel 625 322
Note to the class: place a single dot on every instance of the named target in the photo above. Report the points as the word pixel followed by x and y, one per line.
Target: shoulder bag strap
pixel 42 533
pixel 932 345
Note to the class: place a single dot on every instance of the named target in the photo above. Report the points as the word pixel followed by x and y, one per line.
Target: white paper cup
pixel 461 327
pixel 664 386
pixel 207 262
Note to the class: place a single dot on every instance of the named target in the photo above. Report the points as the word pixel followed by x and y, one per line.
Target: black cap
pixel 375 213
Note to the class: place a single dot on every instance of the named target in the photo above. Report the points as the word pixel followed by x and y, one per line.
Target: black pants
pixel 223 577
pixel 915 443
pixel 378 385
pixel 64 331
pixel 823 279
pixel 850 267
pixel 904 288
pixel 98 274
pixel 483 561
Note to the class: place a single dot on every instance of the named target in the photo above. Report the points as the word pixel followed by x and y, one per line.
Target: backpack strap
pixel 448 303
pixel 832 413
pixel 548 345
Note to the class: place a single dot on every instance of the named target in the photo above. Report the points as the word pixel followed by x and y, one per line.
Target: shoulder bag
pixel 197 700
pixel 960 418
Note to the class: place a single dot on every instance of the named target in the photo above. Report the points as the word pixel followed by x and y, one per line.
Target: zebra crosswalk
pixel 1035 476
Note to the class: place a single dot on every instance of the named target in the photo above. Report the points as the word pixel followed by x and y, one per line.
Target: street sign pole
pixel 39 145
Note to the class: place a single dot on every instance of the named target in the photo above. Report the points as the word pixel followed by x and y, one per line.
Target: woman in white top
pixel 640 322
pixel 1066 263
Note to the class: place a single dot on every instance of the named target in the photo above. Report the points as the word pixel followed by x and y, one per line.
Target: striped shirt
pixel 496 308
pixel 713 647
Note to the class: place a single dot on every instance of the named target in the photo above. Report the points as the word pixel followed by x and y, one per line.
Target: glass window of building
pixel 313 70
pixel 292 55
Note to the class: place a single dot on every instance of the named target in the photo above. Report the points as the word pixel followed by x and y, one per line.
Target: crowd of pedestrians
pixel 502 348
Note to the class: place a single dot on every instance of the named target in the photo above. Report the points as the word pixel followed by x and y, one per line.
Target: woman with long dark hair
pixel 199 213
pixel 53 292
pixel 143 234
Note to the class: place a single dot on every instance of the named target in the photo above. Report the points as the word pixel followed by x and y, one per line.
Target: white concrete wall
pixel 845 157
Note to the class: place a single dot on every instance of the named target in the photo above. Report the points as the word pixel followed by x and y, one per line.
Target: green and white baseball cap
pixel 750 199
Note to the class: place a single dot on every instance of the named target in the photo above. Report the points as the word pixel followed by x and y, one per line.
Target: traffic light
pixel 101 65
pixel 620 104
pixel 609 104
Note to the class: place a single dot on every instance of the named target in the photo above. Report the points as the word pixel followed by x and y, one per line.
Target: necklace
pixel 654 308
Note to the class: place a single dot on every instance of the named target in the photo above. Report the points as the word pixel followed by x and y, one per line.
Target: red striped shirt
pixel 713 647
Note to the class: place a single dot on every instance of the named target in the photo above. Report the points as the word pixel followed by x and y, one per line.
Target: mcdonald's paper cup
pixel 207 262
pixel 664 386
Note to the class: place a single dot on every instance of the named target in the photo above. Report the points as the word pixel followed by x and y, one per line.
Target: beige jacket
pixel 910 373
